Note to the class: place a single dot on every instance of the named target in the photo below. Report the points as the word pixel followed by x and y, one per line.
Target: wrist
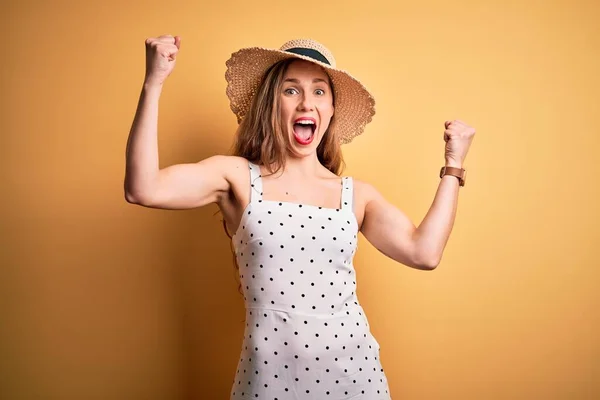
pixel 454 169
pixel 150 86
pixel 453 164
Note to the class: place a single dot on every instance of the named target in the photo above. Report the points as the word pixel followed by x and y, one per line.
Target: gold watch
pixel 460 173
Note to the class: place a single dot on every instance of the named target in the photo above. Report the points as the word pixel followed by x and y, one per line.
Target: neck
pixel 305 167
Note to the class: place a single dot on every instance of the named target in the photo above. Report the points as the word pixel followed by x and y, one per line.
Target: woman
pixel 295 220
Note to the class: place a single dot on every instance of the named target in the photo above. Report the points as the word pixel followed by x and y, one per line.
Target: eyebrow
pixel 297 81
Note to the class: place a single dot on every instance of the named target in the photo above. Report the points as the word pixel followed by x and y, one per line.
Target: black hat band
pixel 314 54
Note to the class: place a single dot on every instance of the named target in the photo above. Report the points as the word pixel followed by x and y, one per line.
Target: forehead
pixel 301 69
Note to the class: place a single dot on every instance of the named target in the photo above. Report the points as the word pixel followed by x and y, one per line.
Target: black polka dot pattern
pixel 306 334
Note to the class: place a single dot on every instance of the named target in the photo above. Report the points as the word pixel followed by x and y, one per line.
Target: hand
pixel 160 58
pixel 458 137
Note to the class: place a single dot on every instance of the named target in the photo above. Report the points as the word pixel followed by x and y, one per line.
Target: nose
pixel 306 103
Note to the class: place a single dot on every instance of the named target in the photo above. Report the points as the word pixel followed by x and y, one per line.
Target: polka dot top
pixel 306 335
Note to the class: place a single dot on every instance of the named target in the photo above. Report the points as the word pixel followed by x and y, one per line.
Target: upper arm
pixel 388 229
pixel 190 185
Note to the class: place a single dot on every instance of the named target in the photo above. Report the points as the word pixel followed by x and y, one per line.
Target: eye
pixel 319 92
pixel 290 91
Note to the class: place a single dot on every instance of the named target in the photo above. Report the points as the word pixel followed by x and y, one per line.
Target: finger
pixel 452 131
pixel 460 124
pixel 173 50
pixel 167 50
pixel 159 41
pixel 165 39
pixel 178 41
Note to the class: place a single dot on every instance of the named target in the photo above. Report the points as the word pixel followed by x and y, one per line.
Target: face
pixel 306 105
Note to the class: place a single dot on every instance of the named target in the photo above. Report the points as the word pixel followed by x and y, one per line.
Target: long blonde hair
pixel 261 139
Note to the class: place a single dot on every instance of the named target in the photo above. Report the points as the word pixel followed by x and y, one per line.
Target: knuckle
pixel 167 39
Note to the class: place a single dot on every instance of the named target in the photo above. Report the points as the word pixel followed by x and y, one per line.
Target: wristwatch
pixel 460 173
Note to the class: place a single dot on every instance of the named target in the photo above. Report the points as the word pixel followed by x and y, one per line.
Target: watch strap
pixel 460 173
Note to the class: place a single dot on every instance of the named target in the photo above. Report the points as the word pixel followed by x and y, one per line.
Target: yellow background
pixel 100 299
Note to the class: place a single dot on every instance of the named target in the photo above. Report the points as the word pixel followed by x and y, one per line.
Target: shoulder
pixel 364 190
pixel 228 165
pixel 230 161
pixel 365 195
pixel 235 170
pixel 232 169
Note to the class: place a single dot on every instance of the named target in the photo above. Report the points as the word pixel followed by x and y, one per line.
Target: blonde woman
pixel 294 220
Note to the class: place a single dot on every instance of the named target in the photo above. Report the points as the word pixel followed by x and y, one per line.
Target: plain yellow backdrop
pixel 100 299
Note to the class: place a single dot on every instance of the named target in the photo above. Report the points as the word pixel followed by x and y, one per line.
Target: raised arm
pixel 178 186
pixel 184 186
pixel 392 233
pixel 389 230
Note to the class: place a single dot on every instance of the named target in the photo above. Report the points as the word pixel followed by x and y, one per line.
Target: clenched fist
pixel 458 137
pixel 160 58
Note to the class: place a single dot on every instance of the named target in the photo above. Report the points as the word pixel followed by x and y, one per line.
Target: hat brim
pixel 354 105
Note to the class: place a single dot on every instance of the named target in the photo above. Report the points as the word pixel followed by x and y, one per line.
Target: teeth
pixel 305 122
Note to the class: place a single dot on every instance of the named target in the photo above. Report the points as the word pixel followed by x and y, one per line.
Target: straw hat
pixel 354 105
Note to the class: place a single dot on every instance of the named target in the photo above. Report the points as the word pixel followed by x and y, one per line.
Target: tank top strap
pixel 347 192
pixel 256 189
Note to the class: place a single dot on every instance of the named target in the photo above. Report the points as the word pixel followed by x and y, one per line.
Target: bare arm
pixel 178 186
pixel 392 232
pixel 141 155
pixel 434 231
pixel 389 230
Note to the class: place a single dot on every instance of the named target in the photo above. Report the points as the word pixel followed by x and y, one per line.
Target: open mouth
pixel 304 130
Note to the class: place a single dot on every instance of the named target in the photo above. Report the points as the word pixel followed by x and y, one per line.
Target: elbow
pixel 428 263
pixel 133 197
pixel 134 194
pixel 424 257
pixel 429 266
pixel 128 191
pixel 130 198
